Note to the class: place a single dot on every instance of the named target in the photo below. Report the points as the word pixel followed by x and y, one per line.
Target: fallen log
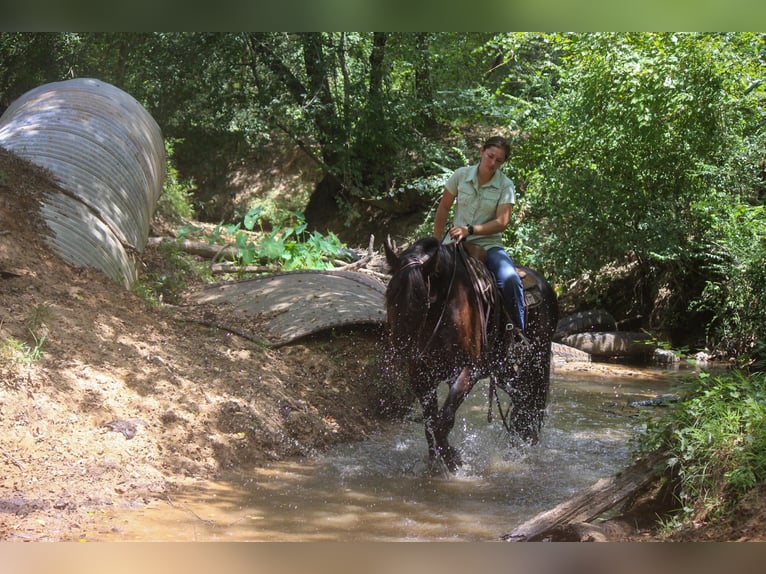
pixel 216 252
pixel 199 248
pixel 569 520
pixel 612 529
pixel 626 344
pixel 221 268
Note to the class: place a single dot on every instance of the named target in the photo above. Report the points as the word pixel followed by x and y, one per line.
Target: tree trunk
pixel 569 519
pixel 199 248
pixel 373 149
pixel 425 120
pixel 322 207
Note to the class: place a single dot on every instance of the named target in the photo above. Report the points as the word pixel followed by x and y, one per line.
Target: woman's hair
pixel 498 141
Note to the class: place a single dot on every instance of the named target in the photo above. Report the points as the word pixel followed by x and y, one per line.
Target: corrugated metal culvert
pixel 107 155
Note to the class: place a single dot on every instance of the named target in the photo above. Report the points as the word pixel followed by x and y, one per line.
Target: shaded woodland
pixel 638 157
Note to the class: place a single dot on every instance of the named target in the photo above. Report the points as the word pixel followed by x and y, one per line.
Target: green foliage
pixel 716 438
pixel 637 132
pixel 644 147
pixel 20 352
pixel 287 244
pixel 25 352
pixel 641 145
pixel 736 294
pixel 167 281
pixel 28 60
pixel 176 201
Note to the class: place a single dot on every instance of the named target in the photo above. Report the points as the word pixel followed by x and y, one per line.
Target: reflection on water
pixel 381 490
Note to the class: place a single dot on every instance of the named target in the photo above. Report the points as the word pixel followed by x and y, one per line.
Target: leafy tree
pixel 617 153
pixel 374 104
pixel 373 109
pixel 28 60
pixel 646 141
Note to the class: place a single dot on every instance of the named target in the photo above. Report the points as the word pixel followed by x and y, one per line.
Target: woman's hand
pixel 458 233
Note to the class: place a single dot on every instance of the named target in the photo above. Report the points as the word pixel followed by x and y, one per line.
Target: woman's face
pixel 492 158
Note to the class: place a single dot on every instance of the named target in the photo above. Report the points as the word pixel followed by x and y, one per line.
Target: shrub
pixel 716 439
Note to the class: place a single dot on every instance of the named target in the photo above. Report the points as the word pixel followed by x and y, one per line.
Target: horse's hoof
pixel 452 459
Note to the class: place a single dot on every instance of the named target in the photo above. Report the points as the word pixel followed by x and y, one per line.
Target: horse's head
pixel 424 252
pixel 408 296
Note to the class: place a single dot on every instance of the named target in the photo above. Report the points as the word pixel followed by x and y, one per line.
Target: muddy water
pixel 380 489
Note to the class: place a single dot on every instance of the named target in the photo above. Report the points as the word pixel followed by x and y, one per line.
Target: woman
pixel 485 198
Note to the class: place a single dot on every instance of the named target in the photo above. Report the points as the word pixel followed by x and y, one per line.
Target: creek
pixel 380 489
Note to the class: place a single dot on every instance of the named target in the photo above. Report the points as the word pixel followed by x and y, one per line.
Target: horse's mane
pixel 426 257
pixel 412 294
pixel 407 287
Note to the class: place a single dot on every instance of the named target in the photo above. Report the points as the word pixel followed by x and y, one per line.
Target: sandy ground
pixel 127 401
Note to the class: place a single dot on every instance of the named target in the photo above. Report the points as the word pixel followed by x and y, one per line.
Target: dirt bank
pixel 107 401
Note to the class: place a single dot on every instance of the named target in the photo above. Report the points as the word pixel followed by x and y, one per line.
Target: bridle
pixel 444 306
pixel 421 261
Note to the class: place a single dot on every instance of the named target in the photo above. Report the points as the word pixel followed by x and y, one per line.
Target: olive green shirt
pixel 475 205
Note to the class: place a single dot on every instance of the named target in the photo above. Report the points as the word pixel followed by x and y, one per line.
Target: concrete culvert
pixel 584 322
pixel 107 155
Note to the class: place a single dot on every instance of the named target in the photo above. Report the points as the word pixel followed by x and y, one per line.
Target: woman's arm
pixel 442 212
pixel 497 225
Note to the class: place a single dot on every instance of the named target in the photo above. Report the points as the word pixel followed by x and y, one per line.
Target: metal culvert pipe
pixel 107 156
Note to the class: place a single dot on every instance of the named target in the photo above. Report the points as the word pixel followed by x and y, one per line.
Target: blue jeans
pixel 509 282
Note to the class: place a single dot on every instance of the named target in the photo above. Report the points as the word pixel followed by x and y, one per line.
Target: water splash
pixel 382 489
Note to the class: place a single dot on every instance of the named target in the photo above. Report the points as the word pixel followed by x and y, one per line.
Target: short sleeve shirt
pixel 477 205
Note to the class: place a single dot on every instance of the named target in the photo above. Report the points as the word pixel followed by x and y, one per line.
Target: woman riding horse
pixel 448 325
pixel 485 198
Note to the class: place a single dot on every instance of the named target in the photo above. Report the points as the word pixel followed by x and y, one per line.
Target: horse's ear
pixel 390 249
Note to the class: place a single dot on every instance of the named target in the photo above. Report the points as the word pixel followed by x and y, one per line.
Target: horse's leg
pixel 458 391
pixel 429 405
pixel 531 393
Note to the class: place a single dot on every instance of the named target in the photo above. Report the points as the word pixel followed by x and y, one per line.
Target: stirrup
pixel 518 345
pixel 518 334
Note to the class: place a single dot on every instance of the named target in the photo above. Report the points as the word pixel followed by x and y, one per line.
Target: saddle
pixel 488 295
pixel 532 294
pixel 483 279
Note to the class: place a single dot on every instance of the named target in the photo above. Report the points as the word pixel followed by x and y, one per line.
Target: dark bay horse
pixel 447 324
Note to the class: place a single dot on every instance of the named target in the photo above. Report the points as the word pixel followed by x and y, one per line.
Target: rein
pixel 504 416
pixel 444 306
pixel 409 264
